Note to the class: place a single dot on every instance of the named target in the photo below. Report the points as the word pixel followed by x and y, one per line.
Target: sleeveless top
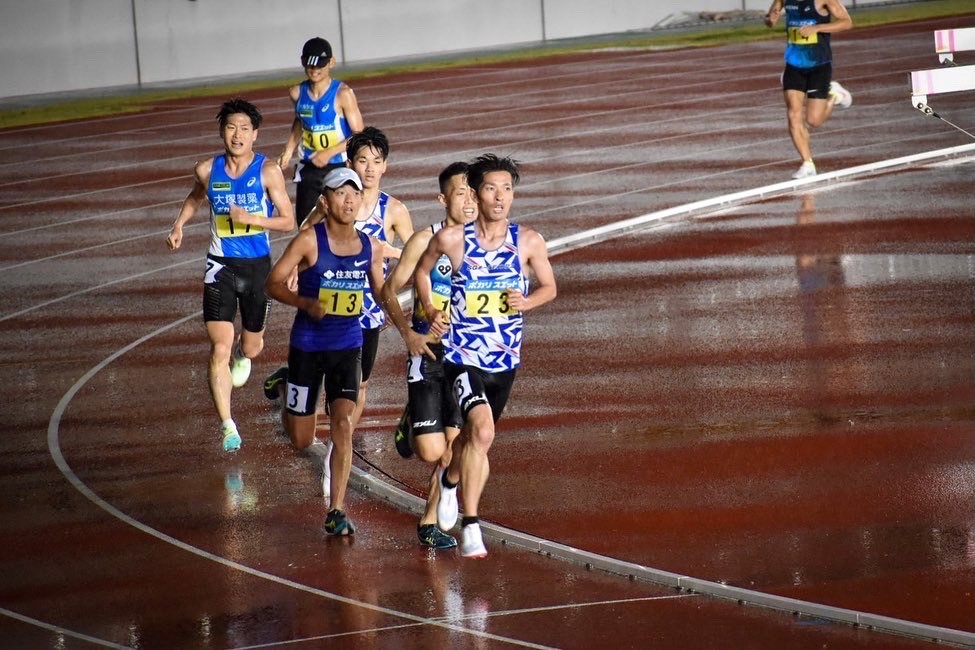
pixel 485 332
pixel 339 283
pixel 228 239
pixel 374 225
pixel 321 126
pixel 440 281
pixel 800 51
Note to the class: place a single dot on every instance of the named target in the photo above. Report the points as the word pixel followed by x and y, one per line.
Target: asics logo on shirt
pixel 251 182
pixel 324 107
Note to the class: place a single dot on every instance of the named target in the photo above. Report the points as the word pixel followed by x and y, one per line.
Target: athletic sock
pixel 444 481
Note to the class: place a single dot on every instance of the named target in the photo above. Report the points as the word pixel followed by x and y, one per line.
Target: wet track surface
pixel 779 396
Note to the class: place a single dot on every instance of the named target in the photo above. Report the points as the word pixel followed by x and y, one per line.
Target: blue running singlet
pixel 805 51
pixel 228 239
pixel 339 282
pixel 321 126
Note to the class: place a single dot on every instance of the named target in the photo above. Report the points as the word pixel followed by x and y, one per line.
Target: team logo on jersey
pixel 220 186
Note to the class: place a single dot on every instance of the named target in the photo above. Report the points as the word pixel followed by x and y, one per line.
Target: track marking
pixel 57 629
pixel 54 447
pixel 467 617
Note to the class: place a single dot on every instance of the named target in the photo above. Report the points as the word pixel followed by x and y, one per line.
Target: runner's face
pixel 343 203
pixel 370 165
pixel 459 200
pixel 316 74
pixel 495 196
pixel 239 134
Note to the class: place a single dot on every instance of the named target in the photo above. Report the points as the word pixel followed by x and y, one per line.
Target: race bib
pixel 227 228
pixel 798 39
pixel 489 298
pixel 441 300
pixel 319 140
pixel 338 300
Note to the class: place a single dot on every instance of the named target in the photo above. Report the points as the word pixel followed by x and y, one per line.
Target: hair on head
pixel 370 136
pixel 451 170
pixel 490 162
pixel 239 105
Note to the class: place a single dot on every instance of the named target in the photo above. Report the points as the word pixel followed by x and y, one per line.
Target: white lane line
pixel 478 617
pixel 54 447
pixel 553 548
pixel 57 629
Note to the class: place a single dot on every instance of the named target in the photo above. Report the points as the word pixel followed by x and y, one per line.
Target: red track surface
pixel 779 397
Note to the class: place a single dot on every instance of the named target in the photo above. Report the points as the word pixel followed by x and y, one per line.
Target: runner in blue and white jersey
pixel 491 260
pixel 431 405
pixel 326 114
pixel 248 198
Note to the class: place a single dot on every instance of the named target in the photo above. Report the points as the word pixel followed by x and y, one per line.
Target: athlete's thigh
pixel 219 292
pixel 255 305
pixel 305 371
pixel 370 346
pixel 498 388
pixel 343 374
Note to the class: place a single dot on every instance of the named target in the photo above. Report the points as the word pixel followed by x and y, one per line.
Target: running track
pixel 777 396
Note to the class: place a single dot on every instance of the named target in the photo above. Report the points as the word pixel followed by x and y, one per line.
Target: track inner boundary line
pixel 686 584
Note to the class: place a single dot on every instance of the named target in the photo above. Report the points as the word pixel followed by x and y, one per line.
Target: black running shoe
pixel 433 537
pixel 273 381
pixel 402 435
pixel 336 523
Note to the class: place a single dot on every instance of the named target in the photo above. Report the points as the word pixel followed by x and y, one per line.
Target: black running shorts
pixel 230 282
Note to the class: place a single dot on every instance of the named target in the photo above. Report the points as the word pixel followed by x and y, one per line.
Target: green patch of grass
pixel 122 102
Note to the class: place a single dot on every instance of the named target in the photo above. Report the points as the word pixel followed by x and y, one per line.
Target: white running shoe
pixel 447 508
pixel 471 544
pixel 240 369
pixel 844 99
pixel 805 170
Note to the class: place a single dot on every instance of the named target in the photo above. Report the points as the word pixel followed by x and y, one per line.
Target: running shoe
pixel 275 379
pixel 337 523
pixel 447 508
pixel 240 368
pixel 402 435
pixel 472 545
pixel 805 170
pixel 231 438
pixel 844 98
pixel 433 537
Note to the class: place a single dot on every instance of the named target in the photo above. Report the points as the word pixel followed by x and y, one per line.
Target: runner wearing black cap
pixel 326 113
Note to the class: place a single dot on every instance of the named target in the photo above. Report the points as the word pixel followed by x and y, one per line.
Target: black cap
pixel 316 53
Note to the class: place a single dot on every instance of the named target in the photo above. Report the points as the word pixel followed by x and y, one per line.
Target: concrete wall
pixel 50 46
